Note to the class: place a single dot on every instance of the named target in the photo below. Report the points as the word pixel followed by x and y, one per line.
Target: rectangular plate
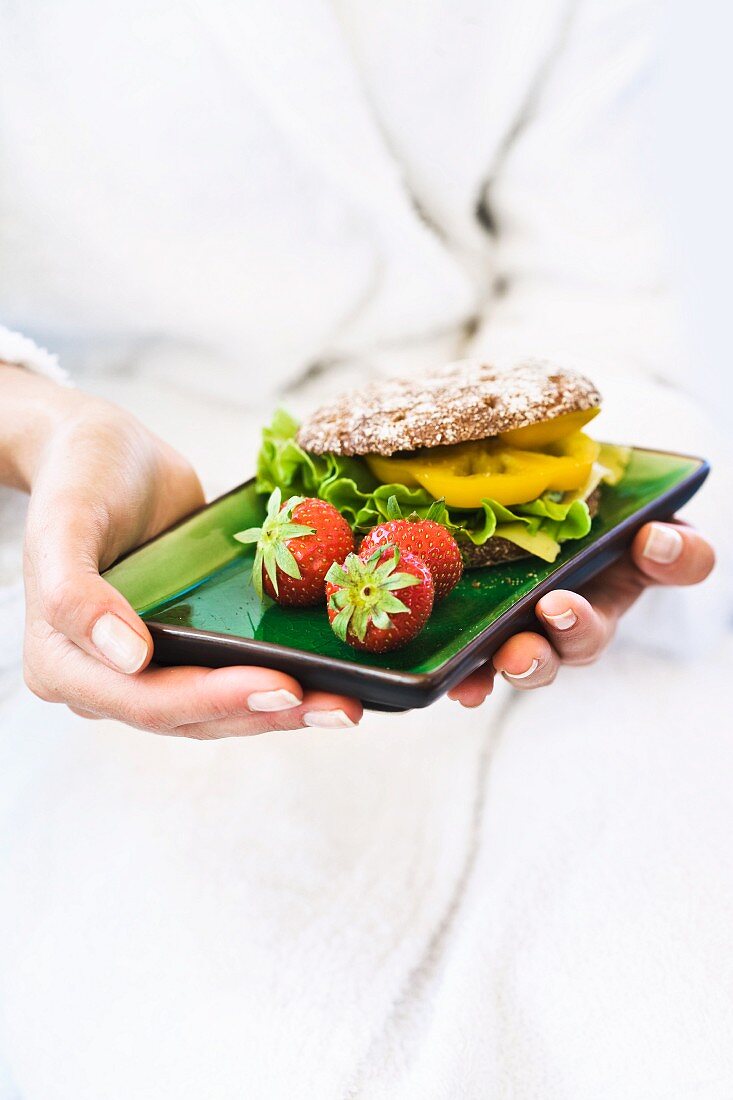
pixel 192 586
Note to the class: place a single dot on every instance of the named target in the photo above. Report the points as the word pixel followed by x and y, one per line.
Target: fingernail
pixel 273 700
pixel 119 643
pixel 663 544
pixel 563 621
pixel 328 719
pixel 522 675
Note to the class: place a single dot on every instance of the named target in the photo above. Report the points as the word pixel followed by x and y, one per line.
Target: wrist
pixel 34 407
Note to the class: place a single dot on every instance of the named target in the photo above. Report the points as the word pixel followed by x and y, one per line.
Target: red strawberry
pixel 374 605
pixel 296 546
pixel 431 541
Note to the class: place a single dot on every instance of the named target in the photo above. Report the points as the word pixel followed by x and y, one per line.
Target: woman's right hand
pixel 101 484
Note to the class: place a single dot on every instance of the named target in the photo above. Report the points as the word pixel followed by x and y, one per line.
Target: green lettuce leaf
pixel 539 526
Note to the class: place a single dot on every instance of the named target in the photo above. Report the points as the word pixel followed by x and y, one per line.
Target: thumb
pixel 65 590
pixel 672 553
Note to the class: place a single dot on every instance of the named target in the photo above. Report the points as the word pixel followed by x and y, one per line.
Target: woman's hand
pixel 101 484
pixel 579 627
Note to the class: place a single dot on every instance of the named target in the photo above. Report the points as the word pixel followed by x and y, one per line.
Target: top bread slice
pixel 469 399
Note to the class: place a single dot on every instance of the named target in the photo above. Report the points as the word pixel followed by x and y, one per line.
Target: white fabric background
pixel 197 203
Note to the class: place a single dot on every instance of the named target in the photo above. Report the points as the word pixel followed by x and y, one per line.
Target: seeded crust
pixel 497 550
pixel 469 399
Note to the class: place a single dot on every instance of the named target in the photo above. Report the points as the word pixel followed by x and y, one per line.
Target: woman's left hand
pixel 579 627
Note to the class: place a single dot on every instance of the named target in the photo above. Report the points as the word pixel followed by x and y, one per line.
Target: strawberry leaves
pixel 271 540
pixel 436 512
pixel 365 592
pixel 393 509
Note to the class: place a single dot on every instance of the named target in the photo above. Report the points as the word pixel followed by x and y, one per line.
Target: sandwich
pixel 499 455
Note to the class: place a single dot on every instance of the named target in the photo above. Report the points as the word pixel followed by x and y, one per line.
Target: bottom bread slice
pixel 497 550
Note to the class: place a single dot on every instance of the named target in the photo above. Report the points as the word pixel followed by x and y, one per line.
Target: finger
pixel 163 699
pixel 670 553
pixel 263 698
pixel 324 711
pixel 527 661
pixel 577 631
pixel 476 688
pixel 62 570
pixel 617 588
pixel 317 709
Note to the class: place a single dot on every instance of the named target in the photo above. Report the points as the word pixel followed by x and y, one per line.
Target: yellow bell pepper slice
pixel 466 474
pixel 535 436
pixel 393 471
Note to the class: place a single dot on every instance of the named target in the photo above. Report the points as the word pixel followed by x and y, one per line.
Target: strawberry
pixel 373 605
pixel 431 541
pixel 296 545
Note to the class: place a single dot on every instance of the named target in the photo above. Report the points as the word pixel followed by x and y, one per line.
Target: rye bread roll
pixel 463 401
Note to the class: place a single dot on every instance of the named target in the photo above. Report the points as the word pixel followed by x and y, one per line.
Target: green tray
pixel 192 585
